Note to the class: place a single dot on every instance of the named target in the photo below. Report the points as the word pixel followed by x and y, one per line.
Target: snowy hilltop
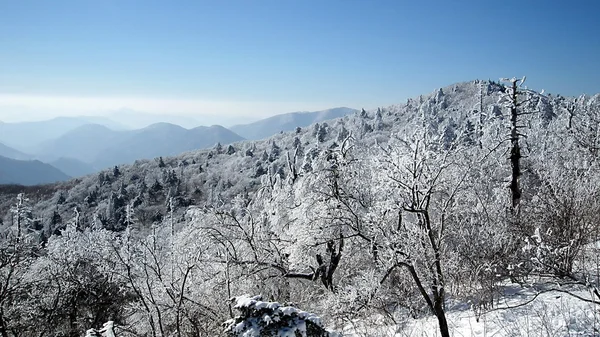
pixel 473 210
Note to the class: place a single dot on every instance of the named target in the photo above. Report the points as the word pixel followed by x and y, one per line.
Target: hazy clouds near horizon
pixel 24 108
pixel 126 118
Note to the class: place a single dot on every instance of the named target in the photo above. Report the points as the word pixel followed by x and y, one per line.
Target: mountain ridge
pixel 100 147
pixel 9 152
pixel 28 172
pixel 287 122
pixel 26 136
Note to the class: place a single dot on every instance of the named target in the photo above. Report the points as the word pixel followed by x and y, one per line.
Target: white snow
pixel 519 313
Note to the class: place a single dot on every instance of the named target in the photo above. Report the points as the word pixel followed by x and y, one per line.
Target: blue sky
pixel 260 57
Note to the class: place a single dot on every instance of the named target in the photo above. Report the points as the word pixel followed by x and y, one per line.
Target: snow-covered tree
pixel 260 318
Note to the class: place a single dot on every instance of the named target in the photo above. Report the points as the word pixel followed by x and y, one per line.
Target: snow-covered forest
pixel 476 200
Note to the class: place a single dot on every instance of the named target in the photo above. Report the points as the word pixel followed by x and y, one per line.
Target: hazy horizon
pixel 132 119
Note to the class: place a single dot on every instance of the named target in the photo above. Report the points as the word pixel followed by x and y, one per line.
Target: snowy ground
pixel 519 313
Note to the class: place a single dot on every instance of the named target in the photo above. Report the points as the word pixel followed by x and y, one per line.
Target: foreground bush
pixel 259 318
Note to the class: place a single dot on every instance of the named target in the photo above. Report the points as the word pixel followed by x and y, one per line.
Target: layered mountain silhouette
pixel 26 136
pixel 9 152
pixel 101 147
pixel 78 146
pixel 73 167
pixel 448 114
pixel 139 119
pixel 28 172
pixel 286 122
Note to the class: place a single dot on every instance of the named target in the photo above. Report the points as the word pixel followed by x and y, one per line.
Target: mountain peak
pixel 163 125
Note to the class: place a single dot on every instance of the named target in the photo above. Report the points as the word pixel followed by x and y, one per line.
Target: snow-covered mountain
pixel 84 144
pixel 394 220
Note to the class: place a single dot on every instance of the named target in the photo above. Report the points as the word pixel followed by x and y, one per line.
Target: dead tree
pixel 511 99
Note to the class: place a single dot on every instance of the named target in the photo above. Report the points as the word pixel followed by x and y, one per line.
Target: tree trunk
pixel 515 152
pixel 441 316
pixel 3 329
pixel 73 331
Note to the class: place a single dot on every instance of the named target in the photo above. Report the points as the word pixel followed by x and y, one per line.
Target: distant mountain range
pixel 286 122
pixel 138 120
pixel 26 136
pixel 28 172
pixel 73 167
pixel 162 139
pixel 9 152
pixel 101 147
pixel 77 146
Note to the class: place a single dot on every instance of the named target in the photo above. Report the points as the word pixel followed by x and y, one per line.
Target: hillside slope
pixel 287 122
pixel 451 112
pixel 9 152
pixel 398 215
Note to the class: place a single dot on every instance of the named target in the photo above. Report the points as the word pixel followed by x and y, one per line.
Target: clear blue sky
pixel 294 52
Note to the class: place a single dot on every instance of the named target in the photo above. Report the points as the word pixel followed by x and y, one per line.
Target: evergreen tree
pixel 230 150
pixel 258 318
pixel 116 172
